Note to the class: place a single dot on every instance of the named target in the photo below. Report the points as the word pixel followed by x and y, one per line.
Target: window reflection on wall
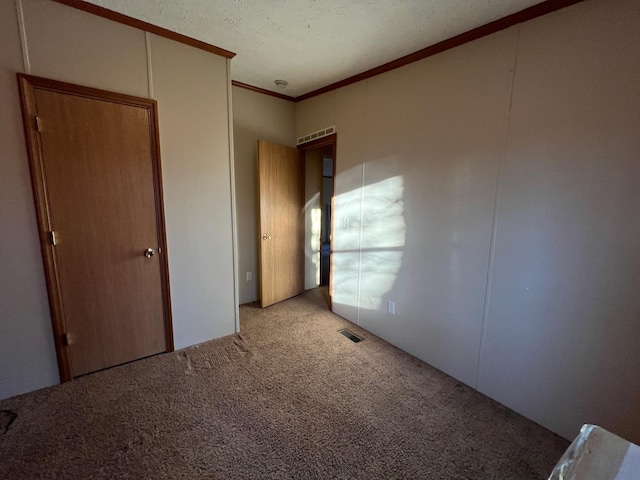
pixel 368 244
pixel 313 222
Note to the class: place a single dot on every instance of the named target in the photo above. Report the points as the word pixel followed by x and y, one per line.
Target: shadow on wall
pixel 368 243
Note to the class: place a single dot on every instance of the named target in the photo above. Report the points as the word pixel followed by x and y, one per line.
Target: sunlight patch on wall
pixel 346 246
pixel 369 249
pixel 313 224
pixel 383 237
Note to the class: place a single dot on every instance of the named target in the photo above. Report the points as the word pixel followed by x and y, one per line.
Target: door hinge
pixel 69 339
pixel 38 124
pixel 53 238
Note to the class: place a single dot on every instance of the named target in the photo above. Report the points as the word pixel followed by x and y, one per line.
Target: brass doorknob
pixel 266 237
pixel 149 252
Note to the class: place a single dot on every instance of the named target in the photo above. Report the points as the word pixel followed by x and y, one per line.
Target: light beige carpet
pixel 289 398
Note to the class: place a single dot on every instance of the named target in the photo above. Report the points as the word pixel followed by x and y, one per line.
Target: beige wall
pixel 27 355
pixel 491 191
pixel 190 86
pixel 72 46
pixel 255 117
pixel 62 43
pixel 315 114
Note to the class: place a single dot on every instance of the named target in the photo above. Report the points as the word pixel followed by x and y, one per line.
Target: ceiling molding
pixel 246 86
pixel 147 27
pixel 522 16
pixel 527 14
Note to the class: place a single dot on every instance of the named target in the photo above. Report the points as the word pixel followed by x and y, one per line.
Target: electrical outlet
pixel 249 276
pixel 391 307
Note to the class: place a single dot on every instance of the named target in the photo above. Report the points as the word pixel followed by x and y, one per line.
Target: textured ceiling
pixel 313 43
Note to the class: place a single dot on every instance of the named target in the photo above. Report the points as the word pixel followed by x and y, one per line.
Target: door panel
pixel 281 184
pixel 97 164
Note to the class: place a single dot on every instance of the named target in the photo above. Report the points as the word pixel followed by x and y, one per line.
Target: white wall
pixel 562 338
pixel 255 117
pixel 429 187
pixel 65 44
pixel 312 217
pixel 349 177
pixel 491 191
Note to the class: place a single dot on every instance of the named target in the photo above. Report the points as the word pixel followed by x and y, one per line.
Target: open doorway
pixel 325 230
pixel 319 160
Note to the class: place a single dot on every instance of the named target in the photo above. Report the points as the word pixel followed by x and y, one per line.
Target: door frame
pixel 27 85
pixel 311 145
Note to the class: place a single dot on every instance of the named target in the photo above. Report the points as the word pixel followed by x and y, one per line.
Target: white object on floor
pixel 597 454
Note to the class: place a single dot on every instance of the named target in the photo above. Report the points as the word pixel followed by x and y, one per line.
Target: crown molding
pixel 522 16
pixel 246 86
pixel 147 27
pixel 525 15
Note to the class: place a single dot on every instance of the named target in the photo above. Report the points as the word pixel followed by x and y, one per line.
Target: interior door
pixel 281 193
pixel 97 177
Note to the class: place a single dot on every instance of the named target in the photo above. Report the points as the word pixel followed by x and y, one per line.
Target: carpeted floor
pixel 289 398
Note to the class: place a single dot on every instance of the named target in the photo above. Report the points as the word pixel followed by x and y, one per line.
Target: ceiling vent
pixel 319 134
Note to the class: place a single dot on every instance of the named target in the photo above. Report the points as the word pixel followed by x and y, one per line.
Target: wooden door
pixel 281 185
pixel 96 176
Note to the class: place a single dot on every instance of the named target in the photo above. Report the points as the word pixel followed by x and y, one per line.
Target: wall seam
pixel 232 184
pixel 496 204
pixel 23 37
pixel 147 42
pixel 361 236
